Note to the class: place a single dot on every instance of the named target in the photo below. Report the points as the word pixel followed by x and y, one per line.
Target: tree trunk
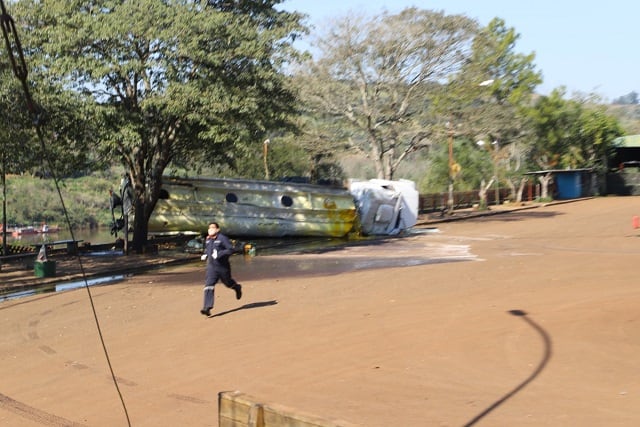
pixel 484 189
pixel 523 182
pixel 512 189
pixel 544 183
pixel 140 227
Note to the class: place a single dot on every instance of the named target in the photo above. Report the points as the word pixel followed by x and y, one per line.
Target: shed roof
pixel 559 171
pixel 629 141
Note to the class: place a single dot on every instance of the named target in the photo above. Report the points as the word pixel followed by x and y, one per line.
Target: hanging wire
pixel 18 64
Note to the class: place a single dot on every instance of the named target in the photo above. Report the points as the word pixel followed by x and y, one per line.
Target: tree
pixel 319 138
pixel 552 119
pixel 10 137
pixel 485 101
pixel 177 82
pixel 597 130
pixel 281 157
pixel 570 134
pixel 629 99
pixel 15 125
pixel 628 116
pixel 373 76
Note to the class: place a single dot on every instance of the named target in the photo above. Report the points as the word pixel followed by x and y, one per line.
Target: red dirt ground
pixel 528 318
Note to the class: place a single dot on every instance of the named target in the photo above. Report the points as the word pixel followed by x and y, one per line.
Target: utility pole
pixel 496 153
pixel 451 163
pixel 265 151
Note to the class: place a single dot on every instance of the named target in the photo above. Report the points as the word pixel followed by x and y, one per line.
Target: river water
pixel 104 236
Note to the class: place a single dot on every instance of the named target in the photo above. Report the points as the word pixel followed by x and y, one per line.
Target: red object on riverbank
pixel 29 230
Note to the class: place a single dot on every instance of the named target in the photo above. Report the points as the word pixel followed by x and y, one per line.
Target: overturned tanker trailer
pixel 257 208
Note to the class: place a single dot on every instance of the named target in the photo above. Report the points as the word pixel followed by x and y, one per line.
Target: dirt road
pixel 529 318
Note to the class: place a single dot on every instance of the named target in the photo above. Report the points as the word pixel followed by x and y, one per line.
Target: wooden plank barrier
pixel 236 409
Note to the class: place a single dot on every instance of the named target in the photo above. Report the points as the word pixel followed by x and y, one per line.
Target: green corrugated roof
pixel 630 141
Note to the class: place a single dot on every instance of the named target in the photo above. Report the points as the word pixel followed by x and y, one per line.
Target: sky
pixel 586 46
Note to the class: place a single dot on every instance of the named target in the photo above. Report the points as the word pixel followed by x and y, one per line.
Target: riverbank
pixel 18 277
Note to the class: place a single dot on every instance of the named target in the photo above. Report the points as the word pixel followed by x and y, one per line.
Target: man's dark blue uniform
pixel 217 250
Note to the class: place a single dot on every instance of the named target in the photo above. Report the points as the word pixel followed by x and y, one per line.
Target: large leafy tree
pixel 58 145
pixel 485 102
pixel 64 124
pixel 10 135
pixel 14 122
pixel 372 75
pixel 570 134
pixel 320 140
pixel 487 96
pixel 177 81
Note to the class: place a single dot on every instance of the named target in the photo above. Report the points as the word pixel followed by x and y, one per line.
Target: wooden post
pixel 265 151
pixel 450 189
pixel 236 409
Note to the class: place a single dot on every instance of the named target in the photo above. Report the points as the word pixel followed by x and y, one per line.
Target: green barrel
pixel 44 268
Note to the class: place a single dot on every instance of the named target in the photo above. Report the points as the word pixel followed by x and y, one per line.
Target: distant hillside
pixel 31 200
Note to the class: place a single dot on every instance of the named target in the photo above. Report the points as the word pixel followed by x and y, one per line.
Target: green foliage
pixel 35 200
pixel 543 199
pixel 65 129
pixel 15 125
pixel 360 167
pixel 628 116
pixel 571 134
pixel 283 159
pixel 596 132
pixel 69 135
pixel 493 72
pixel 484 102
pixel 176 81
pixel 475 165
pixel 197 87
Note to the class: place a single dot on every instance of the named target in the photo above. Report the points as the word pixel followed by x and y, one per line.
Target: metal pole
pixel 495 174
pixel 496 148
pixel 450 200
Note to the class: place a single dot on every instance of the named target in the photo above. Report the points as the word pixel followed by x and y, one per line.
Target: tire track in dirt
pixel 29 412
pixel 34 414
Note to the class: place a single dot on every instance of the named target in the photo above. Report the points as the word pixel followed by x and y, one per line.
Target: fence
pixel 434 202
